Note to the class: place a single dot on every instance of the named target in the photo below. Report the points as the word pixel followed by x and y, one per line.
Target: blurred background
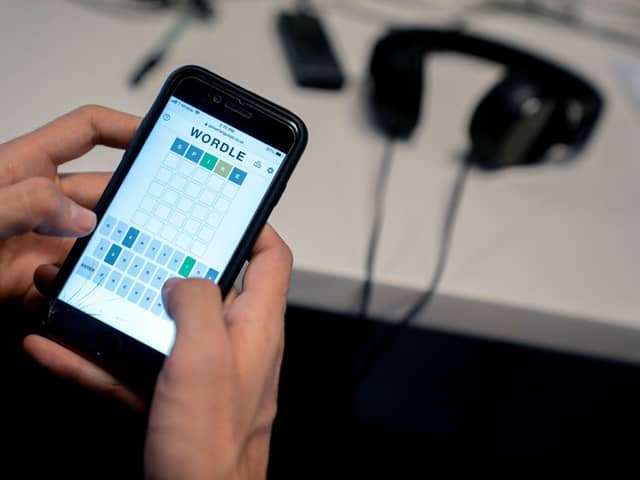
pixel 438 316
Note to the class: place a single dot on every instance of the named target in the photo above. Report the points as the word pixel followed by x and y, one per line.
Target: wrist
pixel 227 461
pixel 253 459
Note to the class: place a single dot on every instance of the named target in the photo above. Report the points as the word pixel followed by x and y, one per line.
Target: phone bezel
pixel 132 361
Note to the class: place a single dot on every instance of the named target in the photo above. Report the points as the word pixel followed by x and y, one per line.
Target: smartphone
pixel 309 51
pixel 189 198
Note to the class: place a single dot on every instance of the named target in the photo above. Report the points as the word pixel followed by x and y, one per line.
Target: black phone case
pixel 133 362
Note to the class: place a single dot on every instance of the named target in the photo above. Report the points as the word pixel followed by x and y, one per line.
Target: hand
pixel 38 207
pixel 216 396
pixel 40 210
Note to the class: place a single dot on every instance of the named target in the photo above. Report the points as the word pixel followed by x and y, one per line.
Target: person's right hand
pixel 216 396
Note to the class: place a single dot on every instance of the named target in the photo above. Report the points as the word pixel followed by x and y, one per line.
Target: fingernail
pixel 84 220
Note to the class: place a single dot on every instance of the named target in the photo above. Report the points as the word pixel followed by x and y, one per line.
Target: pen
pixel 157 55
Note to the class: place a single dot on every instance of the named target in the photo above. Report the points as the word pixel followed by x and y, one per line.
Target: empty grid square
pixel 230 190
pixel 154 225
pixel 192 226
pixel 177 219
pixel 178 182
pixel 215 183
pixel 206 234
pixel 208 197
pixel 187 169
pixel 169 232
pixel 185 204
pixel 140 218
pixel 170 196
pixel 147 204
pixel 156 189
pixel 172 160
pixel 199 249
pixel 164 174
pixel 183 241
pixel 193 189
pixel 222 204
pixel 214 219
pixel 199 212
pixel 201 175
pixel 162 211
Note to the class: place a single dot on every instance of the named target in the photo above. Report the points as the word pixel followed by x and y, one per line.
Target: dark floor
pixel 431 399
pixel 440 399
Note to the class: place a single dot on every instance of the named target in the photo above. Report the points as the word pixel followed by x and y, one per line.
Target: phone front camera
pixel 217 99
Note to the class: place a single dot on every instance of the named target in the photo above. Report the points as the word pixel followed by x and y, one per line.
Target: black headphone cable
pixel 379 197
pixel 362 368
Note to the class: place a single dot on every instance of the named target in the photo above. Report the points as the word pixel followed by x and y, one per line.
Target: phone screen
pixel 180 212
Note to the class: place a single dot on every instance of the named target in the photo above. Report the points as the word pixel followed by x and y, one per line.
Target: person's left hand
pixel 39 209
pixel 41 212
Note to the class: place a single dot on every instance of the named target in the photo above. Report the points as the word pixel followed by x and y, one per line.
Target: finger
pixel 35 303
pixel 84 188
pixel 38 205
pixel 271 259
pixel 257 316
pixel 266 280
pixel 43 279
pixel 70 366
pixel 196 307
pixel 66 138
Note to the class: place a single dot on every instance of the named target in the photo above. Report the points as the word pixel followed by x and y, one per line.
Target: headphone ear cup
pixel 396 84
pixel 511 124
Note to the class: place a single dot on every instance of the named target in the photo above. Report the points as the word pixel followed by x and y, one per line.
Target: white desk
pixel 545 256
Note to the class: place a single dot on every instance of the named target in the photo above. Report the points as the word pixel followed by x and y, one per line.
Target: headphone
pixel 535 106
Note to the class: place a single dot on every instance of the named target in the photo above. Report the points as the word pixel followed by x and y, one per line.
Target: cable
pixel 445 244
pixel 376 226
pixel 424 301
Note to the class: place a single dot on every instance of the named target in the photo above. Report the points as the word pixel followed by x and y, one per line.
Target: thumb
pixel 196 307
pixel 38 205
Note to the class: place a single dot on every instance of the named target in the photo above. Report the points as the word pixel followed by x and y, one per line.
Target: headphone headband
pixel 398 59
